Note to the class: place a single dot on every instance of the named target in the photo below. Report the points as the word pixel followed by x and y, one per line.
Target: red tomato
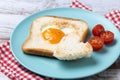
pixel 107 36
pixel 97 30
pixel 96 42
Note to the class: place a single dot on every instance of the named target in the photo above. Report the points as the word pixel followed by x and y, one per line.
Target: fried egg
pixel 54 34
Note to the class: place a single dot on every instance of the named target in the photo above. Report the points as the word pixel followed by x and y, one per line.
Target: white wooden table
pixel 14 11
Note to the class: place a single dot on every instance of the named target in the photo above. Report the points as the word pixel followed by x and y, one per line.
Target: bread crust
pixel 47 52
pixel 42 52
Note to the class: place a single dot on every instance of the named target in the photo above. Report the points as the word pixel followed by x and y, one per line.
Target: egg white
pixel 66 30
pixel 47 26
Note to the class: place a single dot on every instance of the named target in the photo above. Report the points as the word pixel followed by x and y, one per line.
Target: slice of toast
pixel 35 44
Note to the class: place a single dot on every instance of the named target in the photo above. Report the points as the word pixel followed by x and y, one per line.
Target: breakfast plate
pixel 51 67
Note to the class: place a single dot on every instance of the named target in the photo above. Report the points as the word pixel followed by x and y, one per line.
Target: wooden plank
pixel 102 6
pixel 22 7
pixel 10 19
pixel 7 23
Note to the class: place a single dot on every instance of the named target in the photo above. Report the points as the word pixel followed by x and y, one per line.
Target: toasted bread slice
pixel 35 44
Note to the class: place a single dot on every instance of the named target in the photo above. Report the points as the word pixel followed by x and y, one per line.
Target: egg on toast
pixel 59 37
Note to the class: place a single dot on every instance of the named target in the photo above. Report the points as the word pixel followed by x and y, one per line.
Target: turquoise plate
pixel 55 68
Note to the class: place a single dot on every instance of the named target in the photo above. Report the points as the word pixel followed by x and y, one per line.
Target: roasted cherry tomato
pixel 96 42
pixel 107 36
pixel 97 30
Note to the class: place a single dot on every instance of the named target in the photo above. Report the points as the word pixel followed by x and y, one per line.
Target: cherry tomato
pixel 96 42
pixel 97 30
pixel 107 36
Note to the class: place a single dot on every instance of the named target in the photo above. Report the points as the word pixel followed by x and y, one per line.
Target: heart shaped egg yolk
pixel 53 35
